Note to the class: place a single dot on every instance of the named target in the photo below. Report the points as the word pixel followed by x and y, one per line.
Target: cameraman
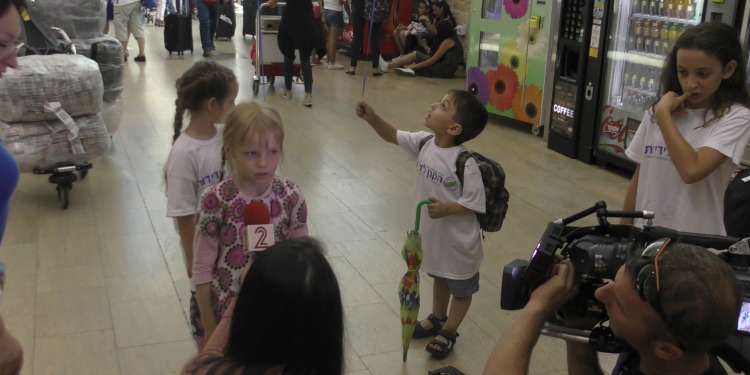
pixel 671 330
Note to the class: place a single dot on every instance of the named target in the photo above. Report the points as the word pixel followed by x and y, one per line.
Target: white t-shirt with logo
pixel 696 207
pixel 452 244
pixel 333 5
pixel 192 167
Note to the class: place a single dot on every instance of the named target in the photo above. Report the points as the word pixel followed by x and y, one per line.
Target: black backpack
pixel 737 205
pixel 493 179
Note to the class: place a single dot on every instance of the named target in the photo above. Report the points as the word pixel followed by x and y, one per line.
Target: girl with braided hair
pixel 206 91
pixel 253 145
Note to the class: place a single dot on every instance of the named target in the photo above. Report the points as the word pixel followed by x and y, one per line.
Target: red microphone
pixel 258 230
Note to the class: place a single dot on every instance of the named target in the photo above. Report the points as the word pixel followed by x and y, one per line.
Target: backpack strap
pixel 463 157
pixel 424 141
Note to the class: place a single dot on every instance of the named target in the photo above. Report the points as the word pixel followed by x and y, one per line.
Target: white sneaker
pixel 324 59
pixel 405 72
pixel 383 64
pixel 307 101
pixel 335 66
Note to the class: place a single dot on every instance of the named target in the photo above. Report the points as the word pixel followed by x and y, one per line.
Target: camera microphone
pixel 711 241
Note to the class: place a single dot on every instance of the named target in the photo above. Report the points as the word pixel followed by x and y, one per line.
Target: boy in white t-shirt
pixel 451 235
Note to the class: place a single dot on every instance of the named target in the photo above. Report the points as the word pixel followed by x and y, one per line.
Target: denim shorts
pixel 334 18
pixel 463 288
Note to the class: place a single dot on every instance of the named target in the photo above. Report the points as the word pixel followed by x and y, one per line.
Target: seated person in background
pixel 441 60
pixel 673 305
pixel 407 37
pixel 287 319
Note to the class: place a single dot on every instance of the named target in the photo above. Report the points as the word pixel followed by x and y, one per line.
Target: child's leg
pixel 441 295
pixel 462 292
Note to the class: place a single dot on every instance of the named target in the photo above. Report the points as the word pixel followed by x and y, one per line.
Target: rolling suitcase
pixel 178 29
pixel 227 21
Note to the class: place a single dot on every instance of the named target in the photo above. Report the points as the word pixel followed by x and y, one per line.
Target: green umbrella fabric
pixel 408 288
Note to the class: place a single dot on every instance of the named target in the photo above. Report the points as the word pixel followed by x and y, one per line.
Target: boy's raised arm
pixel 384 129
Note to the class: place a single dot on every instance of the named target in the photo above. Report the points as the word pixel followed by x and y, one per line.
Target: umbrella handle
pixel 419 212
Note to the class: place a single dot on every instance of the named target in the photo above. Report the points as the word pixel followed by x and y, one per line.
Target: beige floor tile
pixel 149 321
pixel 163 226
pixel 21 231
pixel 154 195
pixel 128 288
pixel 352 192
pixel 342 227
pixel 386 216
pixel 127 221
pixel 91 352
pixel 376 261
pixel 20 262
pixel 358 372
pixel 372 329
pixel 76 216
pixel 66 247
pixel 321 200
pixel 131 255
pixel 18 302
pixel 72 311
pixel 355 291
pixel 70 278
pixel 157 359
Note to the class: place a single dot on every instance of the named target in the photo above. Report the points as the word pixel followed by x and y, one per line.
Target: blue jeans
pixel 170 6
pixel 208 17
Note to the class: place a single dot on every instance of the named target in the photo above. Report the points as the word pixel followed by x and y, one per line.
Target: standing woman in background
pixel 358 17
pixel 298 31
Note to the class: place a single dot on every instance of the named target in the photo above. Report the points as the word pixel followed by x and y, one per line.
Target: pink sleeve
pixel 205 252
pixel 219 338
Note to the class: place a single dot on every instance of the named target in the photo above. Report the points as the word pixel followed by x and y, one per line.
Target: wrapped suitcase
pixel 178 29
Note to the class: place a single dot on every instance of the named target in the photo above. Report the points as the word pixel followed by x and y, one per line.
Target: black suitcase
pixel 178 29
pixel 227 21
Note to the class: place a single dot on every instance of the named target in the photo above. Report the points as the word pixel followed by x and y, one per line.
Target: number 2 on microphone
pixel 262 235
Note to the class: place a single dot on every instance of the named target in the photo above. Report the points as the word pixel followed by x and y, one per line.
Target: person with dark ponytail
pixel 207 91
pixel 287 319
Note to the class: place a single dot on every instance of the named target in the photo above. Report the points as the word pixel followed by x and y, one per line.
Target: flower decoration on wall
pixel 512 57
pixel 503 87
pixel 516 8
pixel 531 41
pixel 527 104
pixel 478 84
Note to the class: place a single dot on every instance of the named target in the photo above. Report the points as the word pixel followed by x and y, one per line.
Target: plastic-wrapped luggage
pixel 73 81
pixel 112 115
pixel 108 53
pixel 46 143
pixel 81 19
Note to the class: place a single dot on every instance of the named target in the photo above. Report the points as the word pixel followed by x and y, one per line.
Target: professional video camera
pixel 597 252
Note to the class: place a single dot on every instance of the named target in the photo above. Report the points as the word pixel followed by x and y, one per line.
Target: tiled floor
pixel 100 288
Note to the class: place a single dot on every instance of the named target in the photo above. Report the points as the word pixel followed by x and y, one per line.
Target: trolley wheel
pixel 84 173
pixel 256 87
pixel 170 53
pixel 537 130
pixel 271 80
pixel 63 194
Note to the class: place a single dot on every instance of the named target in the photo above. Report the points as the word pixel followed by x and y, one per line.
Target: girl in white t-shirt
pixel 694 135
pixel 207 91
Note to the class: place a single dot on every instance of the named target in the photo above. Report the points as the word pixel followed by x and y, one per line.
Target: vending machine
pixel 566 128
pixel 623 75
pixel 507 56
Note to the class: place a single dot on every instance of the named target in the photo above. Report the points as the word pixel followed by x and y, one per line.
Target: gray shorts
pixel 128 20
pixel 334 19
pixel 462 288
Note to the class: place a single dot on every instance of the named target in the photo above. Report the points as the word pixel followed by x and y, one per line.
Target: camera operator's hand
pixel 561 287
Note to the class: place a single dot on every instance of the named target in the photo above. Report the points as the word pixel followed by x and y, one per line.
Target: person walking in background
pixel 333 12
pixel 253 145
pixel 128 21
pixel 206 91
pixel 298 31
pixel 208 17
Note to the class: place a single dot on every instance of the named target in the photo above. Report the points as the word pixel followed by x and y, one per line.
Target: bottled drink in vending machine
pixel 690 9
pixel 646 29
pixel 664 34
pixel 680 9
pixel 644 6
pixel 670 8
pixel 672 34
pixel 653 8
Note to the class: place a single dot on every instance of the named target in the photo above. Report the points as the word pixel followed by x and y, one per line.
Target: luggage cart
pixel 64 175
pixel 264 53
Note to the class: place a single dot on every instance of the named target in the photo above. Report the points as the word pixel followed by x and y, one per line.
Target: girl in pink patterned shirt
pixel 253 138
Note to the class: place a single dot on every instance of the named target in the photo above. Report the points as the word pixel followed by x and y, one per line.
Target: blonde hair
pixel 246 121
